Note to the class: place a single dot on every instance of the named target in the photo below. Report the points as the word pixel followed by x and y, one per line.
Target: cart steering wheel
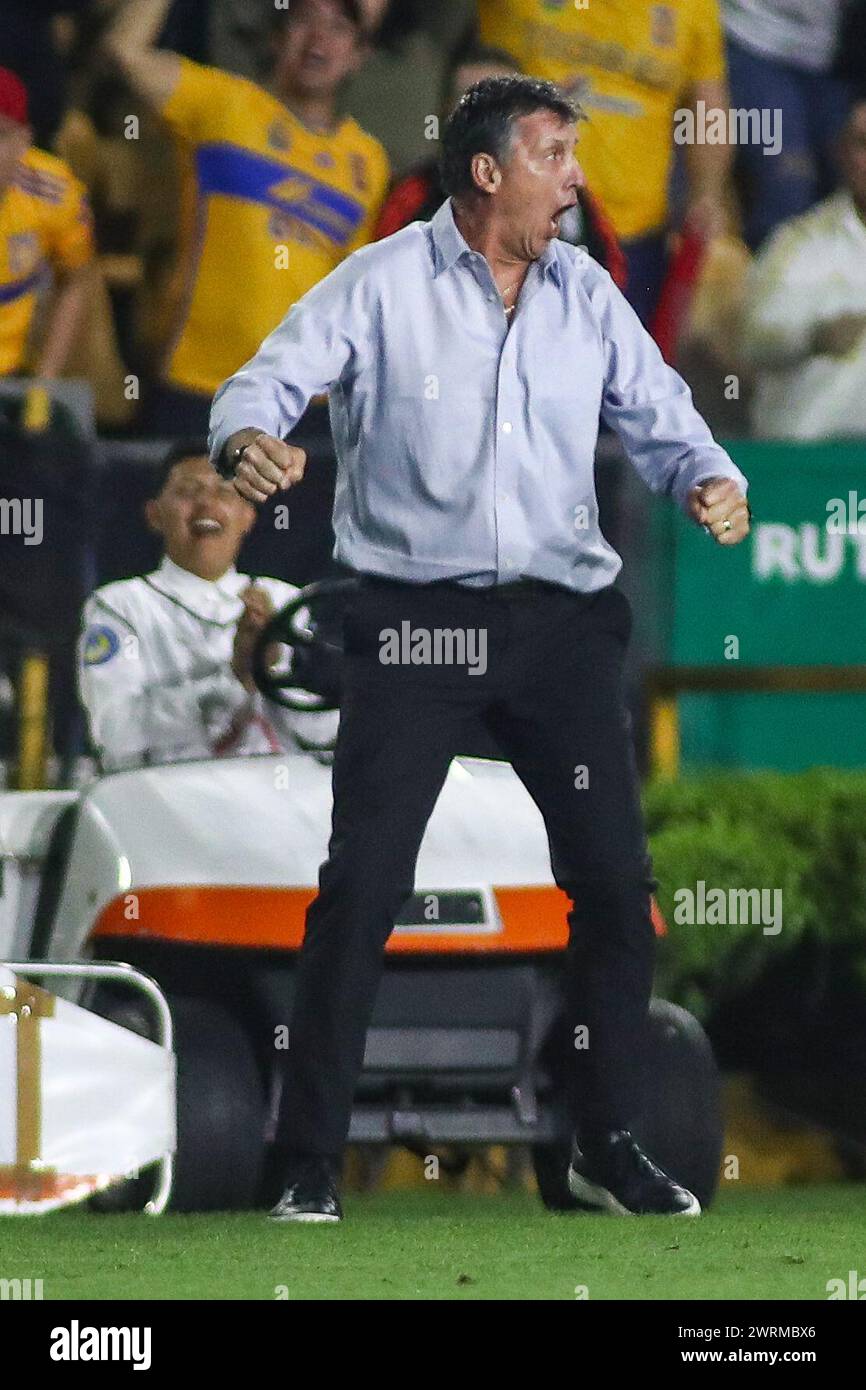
pixel 312 681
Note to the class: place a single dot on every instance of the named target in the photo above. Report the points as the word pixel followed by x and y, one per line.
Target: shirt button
pixel 503 497
pixel 507 427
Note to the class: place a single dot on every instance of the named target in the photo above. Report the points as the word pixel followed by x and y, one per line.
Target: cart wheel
pixel 550 1164
pixel 132 1194
pixel 220 1112
pixel 680 1126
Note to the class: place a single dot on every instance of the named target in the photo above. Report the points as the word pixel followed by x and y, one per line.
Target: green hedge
pixel 802 833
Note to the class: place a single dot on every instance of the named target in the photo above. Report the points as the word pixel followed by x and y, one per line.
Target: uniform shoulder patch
pixel 101 643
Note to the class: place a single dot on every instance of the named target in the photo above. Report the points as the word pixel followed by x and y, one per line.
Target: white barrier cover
pixel 8 1085
pixel 107 1105
pixel 8 1076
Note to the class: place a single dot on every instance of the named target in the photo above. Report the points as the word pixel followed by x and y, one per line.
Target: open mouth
pixel 206 526
pixel 559 214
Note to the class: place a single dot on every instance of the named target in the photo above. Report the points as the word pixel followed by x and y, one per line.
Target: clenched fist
pixel 266 466
pixel 257 612
pixel 720 507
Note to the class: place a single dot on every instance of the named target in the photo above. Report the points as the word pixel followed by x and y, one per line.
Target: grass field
pixel 754 1244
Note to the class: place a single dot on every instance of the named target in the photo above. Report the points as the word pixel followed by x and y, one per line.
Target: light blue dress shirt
pixel 465 448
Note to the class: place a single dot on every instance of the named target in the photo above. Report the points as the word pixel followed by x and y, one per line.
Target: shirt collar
pixel 450 245
pixel 198 593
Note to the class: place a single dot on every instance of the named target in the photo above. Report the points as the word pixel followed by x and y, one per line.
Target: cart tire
pixel 220 1112
pixel 680 1126
pixel 132 1194
pixel 550 1165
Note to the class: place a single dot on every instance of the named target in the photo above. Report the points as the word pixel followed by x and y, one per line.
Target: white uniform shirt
pixel 811 270
pixel 156 678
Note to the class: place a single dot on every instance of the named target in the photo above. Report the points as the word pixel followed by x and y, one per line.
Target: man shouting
pixel 469 361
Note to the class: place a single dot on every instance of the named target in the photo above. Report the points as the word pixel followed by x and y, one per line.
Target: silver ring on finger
pixel 727 524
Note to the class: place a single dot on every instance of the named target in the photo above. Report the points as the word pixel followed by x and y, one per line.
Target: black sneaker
pixel 311 1193
pixel 614 1174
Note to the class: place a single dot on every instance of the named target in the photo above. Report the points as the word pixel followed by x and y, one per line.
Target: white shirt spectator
pixel 156 677
pixel 800 32
pixel 812 271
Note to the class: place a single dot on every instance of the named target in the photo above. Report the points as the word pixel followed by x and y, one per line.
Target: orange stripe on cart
pixel 533 919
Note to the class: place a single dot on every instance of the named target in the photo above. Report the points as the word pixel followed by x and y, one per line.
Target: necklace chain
pixel 509 308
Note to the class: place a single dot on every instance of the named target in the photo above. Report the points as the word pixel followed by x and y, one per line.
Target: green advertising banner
pixel 793 594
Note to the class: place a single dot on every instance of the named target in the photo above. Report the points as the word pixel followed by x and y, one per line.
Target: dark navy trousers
pixel 551 695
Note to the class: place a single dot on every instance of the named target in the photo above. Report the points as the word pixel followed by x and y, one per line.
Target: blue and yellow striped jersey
pixel 270 208
pixel 45 226
pixel 630 64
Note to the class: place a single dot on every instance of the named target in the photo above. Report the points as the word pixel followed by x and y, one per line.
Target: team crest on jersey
pixel 101 643
pixel 295 187
pixel 22 250
pixel 663 26
pixel 279 136
pixel 284 226
pixel 231 171
pixel 358 170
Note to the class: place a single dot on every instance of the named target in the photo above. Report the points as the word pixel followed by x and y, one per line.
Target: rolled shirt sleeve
pixel 303 357
pixel 650 407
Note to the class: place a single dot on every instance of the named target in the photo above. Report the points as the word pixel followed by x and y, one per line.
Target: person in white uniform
pixel 165 659
pixel 804 329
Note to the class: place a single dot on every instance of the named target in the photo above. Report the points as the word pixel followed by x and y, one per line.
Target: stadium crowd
pixel 175 174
